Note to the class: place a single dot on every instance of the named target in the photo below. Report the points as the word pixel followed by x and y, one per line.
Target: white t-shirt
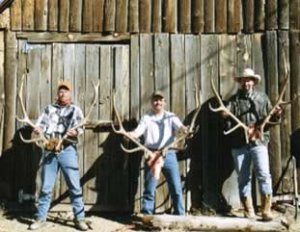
pixel 158 131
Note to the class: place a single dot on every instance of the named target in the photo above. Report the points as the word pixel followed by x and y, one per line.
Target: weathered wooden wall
pixel 179 65
pixel 145 16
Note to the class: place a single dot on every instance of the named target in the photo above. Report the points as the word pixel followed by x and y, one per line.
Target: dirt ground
pixel 62 222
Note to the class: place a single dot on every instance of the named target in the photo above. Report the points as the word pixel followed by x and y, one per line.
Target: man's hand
pixel 72 132
pixel 38 130
pixel 278 111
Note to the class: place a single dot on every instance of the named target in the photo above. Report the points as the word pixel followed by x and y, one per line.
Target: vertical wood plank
pixel 285 126
pixel 53 15
pixel 283 14
pixel 79 97
pixel 2 90
pixel 105 113
pixel 120 185
pixel 233 18
pixel 227 70
pixel 227 61
pixel 75 15
pixel 209 16
pixel 40 15
pixel 98 14
pixel 91 139
pixel 64 11
pixel 145 15
pixel 162 65
pixel 272 90
pixel 271 14
pixel 244 52
pixel 157 16
pixel 170 16
pixel 294 14
pixel 209 132
pixel 122 16
pixel 248 15
pixel 135 162
pixel 178 87
pixel 192 75
pixel 28 15
pixel 87 18
pixel 146 70
pixel 221 16
pixel 16 15
pixel 10 88
pixel 197 16
pixel 259 17
pixel 258 59
pixel 295 78
pixel 133 16
pixel 185 16
pixel 109 15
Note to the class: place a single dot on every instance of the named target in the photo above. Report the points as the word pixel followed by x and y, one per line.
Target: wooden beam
pixel 197 16
pixel 47 37
pixel 205 223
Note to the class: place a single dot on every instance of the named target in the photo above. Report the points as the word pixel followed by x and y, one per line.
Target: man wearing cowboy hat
pixel 251 107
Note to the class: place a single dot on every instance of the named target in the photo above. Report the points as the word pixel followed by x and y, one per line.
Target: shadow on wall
pixel 18 168
pixel 211 163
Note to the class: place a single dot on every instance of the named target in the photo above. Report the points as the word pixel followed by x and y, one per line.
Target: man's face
pixel 158 104
pixel 63 94
pixel 247 83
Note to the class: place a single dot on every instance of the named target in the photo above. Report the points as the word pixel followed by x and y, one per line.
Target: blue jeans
pixel 171 173
pixel 243 158
pixel 67 160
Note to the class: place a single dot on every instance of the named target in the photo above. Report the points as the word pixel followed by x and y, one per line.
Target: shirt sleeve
pixel 141 128
pixel 77 118
pixel 176 123
pixel 43 119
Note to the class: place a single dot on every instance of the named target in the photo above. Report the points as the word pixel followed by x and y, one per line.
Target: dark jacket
pixel 251 108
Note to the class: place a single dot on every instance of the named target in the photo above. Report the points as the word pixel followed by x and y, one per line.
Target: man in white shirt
pixel 158 128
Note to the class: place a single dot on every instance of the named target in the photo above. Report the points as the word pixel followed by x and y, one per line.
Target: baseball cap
pixel 65 84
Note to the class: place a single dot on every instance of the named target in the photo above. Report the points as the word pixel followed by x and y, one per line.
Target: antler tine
pixel 278 103
pixel 36 140
pixel 94 102
pixel 25 118
pixel 122 131
pixel 224 109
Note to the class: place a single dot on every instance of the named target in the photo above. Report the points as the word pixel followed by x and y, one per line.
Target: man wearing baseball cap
pixel 158 127
pixel 57 120
pixel 251 107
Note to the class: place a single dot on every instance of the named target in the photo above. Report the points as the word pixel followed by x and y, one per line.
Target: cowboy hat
pixel 248 72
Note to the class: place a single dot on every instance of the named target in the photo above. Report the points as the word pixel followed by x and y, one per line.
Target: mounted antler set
pixel 140 147
pixel 51 144
pixel 253 132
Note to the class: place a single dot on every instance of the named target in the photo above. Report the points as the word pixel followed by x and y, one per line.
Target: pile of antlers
pixel 258 129
pixel 51 144
pixel 141 147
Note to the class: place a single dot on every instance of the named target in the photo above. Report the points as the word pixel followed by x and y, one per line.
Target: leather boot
pixel 248 207
pixel 266 203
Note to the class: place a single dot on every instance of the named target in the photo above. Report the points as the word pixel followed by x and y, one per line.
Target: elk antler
pixel 84 120
pixel 227 111
pixel 26 119
pixel 122 131
pixel 278 103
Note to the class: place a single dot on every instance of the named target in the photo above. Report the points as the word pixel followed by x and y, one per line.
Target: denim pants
pixel 67 160
pixel 243 158
pixel 171 173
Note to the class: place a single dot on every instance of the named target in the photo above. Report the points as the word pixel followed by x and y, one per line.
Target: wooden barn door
pixel 103 167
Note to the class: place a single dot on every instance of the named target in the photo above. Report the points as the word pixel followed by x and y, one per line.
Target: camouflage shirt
pixel 55 120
